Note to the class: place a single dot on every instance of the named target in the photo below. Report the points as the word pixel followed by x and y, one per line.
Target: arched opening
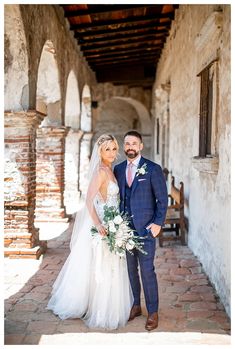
pixel 72 144
pixel 121 114
pixel 72 102
pixel 50 145
pixel 86 110
pixel 48 96
pixel 85 144
pixel 15 61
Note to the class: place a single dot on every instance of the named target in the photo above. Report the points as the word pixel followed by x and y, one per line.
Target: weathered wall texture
pixel 44 71
pixel 199 34
pixel 24 48
pixel 15 61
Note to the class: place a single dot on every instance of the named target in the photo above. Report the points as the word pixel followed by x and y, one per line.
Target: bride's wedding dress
pixel 93 283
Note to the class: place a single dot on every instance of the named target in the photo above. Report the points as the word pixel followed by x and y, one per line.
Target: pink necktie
pixel 129 174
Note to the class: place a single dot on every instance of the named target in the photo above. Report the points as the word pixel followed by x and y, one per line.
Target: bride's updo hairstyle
pixel 104 141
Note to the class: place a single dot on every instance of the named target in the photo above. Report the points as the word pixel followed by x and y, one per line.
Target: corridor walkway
pixel 190 311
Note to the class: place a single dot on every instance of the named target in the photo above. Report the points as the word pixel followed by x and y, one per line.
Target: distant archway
pixel 50 145
pixel 48 96
pixel 85 144
pixel 86 123
pixel 121 114
pixel 143 114
pixel 72 102
pixel 72 144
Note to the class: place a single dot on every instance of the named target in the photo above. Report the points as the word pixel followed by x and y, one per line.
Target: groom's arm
pixel 160 191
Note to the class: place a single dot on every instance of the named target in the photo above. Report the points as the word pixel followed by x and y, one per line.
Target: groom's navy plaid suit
pixel 146 201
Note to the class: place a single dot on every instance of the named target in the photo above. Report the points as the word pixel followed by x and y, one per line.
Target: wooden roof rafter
pixel 129 36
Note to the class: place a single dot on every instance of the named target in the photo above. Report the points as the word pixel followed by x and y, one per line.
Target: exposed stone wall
pixel 33 31
pixel 21 237
pixel 72 152
pixel 50 148
pixel 199 34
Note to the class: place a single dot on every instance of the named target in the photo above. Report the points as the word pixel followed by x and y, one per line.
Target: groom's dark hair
pixel 134 133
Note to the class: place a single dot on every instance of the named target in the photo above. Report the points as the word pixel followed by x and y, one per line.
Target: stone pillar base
pixel 23 252
pixel 51 215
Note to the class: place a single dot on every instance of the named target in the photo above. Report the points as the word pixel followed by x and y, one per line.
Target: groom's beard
pixel 131 154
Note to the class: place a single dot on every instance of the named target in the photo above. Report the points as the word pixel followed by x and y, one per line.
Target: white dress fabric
pixel 93 284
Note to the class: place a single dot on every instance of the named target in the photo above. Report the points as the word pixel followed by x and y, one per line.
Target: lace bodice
pixel 112 199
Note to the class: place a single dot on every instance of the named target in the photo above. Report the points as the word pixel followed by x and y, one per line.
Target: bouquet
pixel 120 237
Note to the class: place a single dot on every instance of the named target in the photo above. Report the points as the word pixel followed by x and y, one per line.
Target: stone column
pixel 71 193
pixel 50 149
pixel 85 153
pixel 21 237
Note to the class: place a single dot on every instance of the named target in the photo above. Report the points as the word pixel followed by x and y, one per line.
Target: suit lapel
pixel 135 181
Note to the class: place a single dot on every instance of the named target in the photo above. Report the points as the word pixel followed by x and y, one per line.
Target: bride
pixel 93 284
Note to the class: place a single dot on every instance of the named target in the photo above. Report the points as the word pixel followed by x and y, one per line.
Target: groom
pixel 143 196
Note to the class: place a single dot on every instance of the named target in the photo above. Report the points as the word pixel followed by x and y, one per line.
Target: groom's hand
pixel 154 229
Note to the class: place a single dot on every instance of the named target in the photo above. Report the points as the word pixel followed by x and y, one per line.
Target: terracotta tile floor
pixel 190 310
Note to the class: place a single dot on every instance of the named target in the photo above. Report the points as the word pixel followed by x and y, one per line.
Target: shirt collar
pixel 135 162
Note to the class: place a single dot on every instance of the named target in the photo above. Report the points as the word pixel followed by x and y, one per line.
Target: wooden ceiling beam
pixel 86 42
pixel 124 56
pixel 124 30
pixel 118 52
pixel 119 62
pixel 113 22
pixel 130 43
pixel 98 9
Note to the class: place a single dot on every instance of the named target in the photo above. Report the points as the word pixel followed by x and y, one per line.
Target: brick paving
pixel 190 310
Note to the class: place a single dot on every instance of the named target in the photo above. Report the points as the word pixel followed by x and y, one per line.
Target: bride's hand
pixel 101 230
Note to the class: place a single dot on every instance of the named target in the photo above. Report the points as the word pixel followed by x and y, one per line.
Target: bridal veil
pixel 70 292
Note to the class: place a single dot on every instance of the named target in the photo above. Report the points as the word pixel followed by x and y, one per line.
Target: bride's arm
pixel 93 188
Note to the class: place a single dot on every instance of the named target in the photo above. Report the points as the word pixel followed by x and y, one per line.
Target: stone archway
pixel 86 122
pixel 72 144
pixel 143 115
pixel 50 146
pixel 48 95
pixel 121 114
pixel 85 143
pixel 15 61
pixel 72 102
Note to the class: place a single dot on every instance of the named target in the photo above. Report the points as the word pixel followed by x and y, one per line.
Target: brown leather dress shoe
pixel 135 311
pixel 152 321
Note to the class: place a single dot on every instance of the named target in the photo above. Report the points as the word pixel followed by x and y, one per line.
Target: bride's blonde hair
pixel 103 142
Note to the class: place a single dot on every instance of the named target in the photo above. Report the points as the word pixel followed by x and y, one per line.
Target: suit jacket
pixel 149 198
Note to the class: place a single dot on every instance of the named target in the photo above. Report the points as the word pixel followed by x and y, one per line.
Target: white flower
pixel 112 227
pixel 118 220
pixel 142 170
pixel 119 242
pixel 130 245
